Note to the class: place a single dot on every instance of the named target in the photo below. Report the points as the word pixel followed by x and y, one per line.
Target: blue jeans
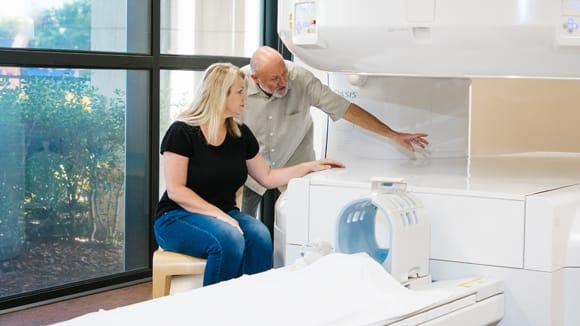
pixel 229 253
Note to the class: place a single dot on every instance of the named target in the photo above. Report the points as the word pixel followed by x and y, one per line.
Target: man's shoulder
pixel 247 71
pixel 292 66
pixel 297 71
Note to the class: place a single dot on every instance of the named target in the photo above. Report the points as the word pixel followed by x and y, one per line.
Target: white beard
pixel 277 93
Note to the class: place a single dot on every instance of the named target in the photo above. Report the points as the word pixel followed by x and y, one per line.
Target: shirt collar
pixel 253 87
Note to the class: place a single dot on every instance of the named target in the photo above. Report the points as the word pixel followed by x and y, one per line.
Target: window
pixel 85 25
pixel 67 166
pixel 210 27
pixel 90 87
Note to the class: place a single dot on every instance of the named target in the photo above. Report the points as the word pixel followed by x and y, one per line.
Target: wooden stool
pixel 167 264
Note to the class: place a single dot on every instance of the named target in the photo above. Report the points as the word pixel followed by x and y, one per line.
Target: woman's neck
pixel 221 134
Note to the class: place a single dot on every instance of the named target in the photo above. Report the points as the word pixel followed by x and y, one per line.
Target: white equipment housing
pixel 438 38
pixel 513 217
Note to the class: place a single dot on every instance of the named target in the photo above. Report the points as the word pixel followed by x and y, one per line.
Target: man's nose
pixel 282 82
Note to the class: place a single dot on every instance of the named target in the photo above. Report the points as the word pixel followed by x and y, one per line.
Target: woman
pixel 207 157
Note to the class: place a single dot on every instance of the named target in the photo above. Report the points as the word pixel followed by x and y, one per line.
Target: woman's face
pixel 236 99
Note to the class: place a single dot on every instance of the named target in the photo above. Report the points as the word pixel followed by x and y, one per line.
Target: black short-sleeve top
pixel 215 173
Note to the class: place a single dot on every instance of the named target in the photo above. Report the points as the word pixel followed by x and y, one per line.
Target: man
pixel 277 110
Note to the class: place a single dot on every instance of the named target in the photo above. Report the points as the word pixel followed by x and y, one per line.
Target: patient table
pixel 337 289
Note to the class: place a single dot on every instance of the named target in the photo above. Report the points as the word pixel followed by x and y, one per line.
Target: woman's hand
pixel 273 178
pixel 324 164
pixel 230 220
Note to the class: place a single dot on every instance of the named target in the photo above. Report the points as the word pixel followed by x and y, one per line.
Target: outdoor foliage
pixel 66 27
pixel 11 174
pixel 74 158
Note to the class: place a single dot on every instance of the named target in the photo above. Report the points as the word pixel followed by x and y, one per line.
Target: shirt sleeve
pixel 178 139
pixel 250 141
pixel 322 96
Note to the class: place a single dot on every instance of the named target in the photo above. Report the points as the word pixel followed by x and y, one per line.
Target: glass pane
pixel 70 154
pixel 177 91
pixel 88 25
pixel 210 27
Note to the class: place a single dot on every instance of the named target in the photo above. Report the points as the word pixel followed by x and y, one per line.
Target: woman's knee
pixel 262 238
pixel 260 231
pixel 231 243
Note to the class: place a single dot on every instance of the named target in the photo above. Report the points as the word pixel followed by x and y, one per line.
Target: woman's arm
pixel 175 172
pixel 273 178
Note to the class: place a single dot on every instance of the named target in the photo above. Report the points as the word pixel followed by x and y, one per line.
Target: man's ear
pixel 254 77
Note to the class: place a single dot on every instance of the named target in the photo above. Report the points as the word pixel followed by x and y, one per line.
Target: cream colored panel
pixel 525 115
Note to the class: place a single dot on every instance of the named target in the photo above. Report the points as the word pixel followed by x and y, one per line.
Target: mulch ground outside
pixel 51 262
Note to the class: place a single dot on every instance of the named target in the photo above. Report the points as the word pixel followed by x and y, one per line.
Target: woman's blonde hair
pixel 210 103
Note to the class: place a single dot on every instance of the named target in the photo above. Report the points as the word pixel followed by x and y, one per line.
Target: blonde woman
pixel 207 157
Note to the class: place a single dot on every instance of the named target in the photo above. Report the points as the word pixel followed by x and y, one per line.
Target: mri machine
pixel 513 217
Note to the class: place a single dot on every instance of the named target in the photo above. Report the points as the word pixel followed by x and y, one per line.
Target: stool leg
pixel 161 284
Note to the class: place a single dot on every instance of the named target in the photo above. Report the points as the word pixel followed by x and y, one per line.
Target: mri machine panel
pixel 551 243
pixel 487 219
